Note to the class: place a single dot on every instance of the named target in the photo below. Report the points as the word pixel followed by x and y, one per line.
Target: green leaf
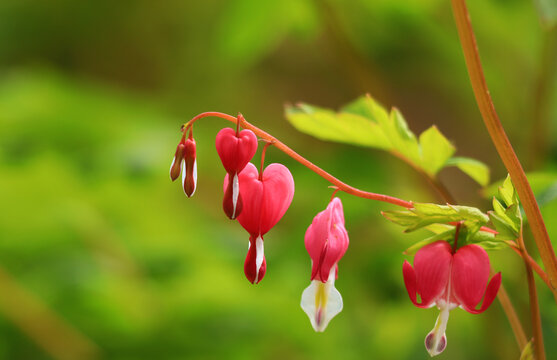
pixel 528 352
pixel 365 122
pixel 507 221
pixel 345 127
pixel 473 168
pixel 447 235
pixel 507 192
pixel 436 150
pixel 423 215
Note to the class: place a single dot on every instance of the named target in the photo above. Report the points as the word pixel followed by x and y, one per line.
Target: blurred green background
pixel 101 256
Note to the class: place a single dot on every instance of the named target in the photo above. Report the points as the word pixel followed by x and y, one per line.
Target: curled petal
pixel 470 274
pixel 432 267
pixel 410 283
pixel 490 293
pixel 321 301
pixel 278 185
pixel 255 264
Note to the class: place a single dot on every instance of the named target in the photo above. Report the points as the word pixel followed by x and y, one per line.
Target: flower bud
pixel 176 166
pixel 189 168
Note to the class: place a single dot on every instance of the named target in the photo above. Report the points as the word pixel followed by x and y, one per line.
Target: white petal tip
pixel 321 302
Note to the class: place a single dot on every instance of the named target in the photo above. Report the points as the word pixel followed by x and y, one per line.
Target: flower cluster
pixel 443 275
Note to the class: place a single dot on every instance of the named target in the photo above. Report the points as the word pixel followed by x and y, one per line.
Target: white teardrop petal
pixel 321 302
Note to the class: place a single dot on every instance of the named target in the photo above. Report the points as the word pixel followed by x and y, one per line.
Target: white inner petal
pixel 235 194
pixel 194 176
pixel 438 331
pixel 184 176
pixel 259 255
pixel 322 302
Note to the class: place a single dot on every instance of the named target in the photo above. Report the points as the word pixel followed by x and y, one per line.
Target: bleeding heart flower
pixel 266 199
pixel 185 162
pixel 235 150
pixel 449 280
pixel 326 242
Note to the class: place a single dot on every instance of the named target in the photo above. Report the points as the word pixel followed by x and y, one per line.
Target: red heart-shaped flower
pixel 265 200
pixel 235 150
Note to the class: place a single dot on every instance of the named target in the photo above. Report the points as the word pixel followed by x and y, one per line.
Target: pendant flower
pixel 266 197
pixel 449 279
pixel 326 241
pixel 185 162
pixel 235 149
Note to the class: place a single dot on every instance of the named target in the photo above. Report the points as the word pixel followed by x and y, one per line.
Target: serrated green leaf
pixel 345 127
pixel 436 150
pixel 507 192
pixel 477 170
pixel 505 228
pixel 365 122
pixel 423 215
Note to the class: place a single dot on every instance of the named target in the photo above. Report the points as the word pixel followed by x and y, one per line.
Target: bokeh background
pixel 101 256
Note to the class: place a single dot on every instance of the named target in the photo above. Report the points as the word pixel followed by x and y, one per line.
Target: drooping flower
pixel 449 280
pixel 235 150
pixel 326 241
pixel 185 162
pixel 266 197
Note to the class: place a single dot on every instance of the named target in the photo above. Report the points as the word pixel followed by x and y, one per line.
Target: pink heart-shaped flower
pixel 235 150
pixel 265 200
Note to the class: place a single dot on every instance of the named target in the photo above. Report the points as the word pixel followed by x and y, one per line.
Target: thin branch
pixel 534 305
pixel 510 312
pixel 501 141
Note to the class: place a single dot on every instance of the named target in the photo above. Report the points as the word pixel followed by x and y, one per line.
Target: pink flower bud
pixel 326 242
pixel 189 168
pixel 235 150
pixel 449 280
pixel 265 201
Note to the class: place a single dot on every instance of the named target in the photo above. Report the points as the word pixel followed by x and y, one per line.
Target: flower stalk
pixel 501 141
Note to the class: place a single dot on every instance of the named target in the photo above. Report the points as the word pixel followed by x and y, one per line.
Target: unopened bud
pixel 189 170
pixel 176 165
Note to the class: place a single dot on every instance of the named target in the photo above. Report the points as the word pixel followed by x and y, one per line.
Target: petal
pixel 432 267
pixel 321 302
pixel 176 165
pixel 436 340
pixel 251 190
pixel 410 283
pixel 255 265
pixel 470 274
pixel 278 190
pixel 232 201
pixel 490 293
pixel 326 240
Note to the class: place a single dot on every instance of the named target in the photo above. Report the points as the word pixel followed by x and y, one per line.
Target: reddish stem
pixel 288 151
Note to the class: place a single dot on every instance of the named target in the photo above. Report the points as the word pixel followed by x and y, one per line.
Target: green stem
pixel 501 141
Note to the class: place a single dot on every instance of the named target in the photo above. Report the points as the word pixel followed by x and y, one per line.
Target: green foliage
pixel 506 216
pixel 365 122
pixel 528 351
pixel 423 215
pixel 477 170
pixel 436 218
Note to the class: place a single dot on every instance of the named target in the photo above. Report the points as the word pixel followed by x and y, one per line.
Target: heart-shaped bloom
pixel 449 280
pixel 235 150
pixel 265 200
pixel 185 162
pixel 326 241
